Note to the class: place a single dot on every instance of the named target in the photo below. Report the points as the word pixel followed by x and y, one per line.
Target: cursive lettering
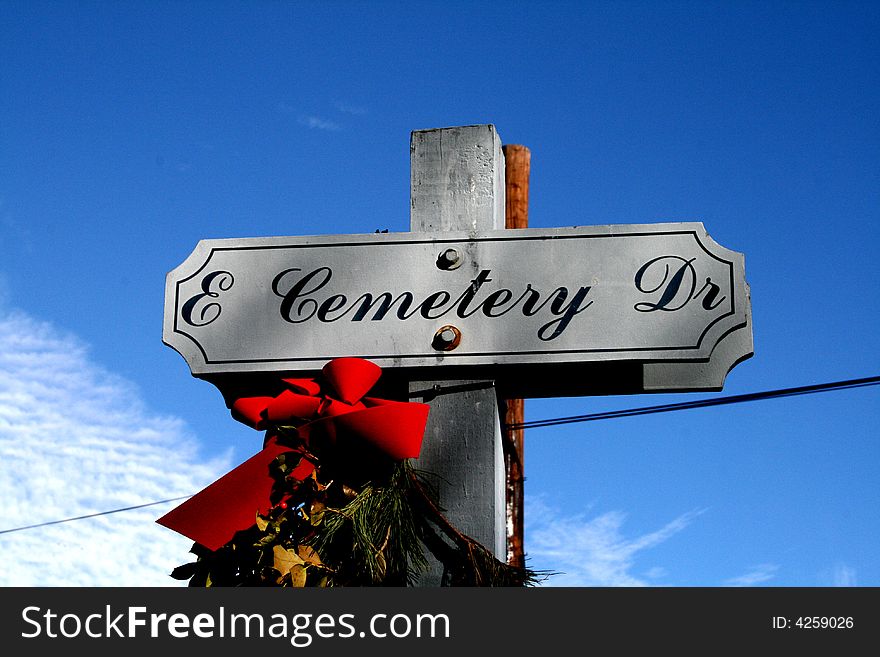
pixel 675 279
pixel 300 302
pixel 212 285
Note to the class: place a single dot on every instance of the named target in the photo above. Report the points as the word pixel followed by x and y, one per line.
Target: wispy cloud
pixel 318 123
pixel 843 575
pixel 592 551
pixel 755 575
pixel 76 440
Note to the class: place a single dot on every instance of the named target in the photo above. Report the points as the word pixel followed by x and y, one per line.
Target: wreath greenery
pixel 359 519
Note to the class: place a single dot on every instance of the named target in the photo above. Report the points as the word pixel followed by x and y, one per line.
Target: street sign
pixel 661 296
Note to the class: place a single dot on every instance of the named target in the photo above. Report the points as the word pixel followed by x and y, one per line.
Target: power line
pixel 92 515
pixel 702 403
pixel 551 422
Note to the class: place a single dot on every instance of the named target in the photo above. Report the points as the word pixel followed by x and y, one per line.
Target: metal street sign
pixel 653 294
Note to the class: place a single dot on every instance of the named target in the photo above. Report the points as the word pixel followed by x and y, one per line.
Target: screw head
pixel 449 259
pixel 446 338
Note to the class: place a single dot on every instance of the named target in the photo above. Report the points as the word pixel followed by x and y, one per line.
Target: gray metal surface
pixel 650 292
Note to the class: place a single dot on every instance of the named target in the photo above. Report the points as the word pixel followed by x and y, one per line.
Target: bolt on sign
pixel 661 302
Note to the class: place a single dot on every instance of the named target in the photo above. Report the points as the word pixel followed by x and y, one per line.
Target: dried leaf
pixel 266 540
pixel 317 513
pixel 298 575
pixel 285 559
pixel 309 555
pixel 262 523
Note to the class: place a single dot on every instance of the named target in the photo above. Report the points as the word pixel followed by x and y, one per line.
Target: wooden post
pixel 517 160
pixel 457 184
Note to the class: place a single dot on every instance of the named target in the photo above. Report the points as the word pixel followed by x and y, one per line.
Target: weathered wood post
pixel 517 165
pixel 457 184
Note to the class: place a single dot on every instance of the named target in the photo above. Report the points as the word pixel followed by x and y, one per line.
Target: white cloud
pixel 755 575
pixel 844 575
pixel 317 123
pixel 590 551
pixel 76 440
pixel 656 572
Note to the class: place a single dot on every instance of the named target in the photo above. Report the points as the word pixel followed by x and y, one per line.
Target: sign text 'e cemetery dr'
pixel 653 293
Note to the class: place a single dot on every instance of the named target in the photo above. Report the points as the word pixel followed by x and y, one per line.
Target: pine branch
pixel 373 539
pixel 470 564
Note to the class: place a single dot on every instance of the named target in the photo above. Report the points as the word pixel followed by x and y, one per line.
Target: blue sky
pixel 129 131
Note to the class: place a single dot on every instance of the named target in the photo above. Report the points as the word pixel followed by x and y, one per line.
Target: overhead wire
pixel 702 403
pixel 92 515
pixel 588 417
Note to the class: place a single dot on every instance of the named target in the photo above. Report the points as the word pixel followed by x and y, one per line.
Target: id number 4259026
pixel 814 623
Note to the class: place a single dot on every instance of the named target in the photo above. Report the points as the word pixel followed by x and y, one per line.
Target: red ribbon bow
pixel 333 408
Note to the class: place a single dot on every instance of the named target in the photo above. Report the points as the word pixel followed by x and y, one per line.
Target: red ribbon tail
pixel 213 515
